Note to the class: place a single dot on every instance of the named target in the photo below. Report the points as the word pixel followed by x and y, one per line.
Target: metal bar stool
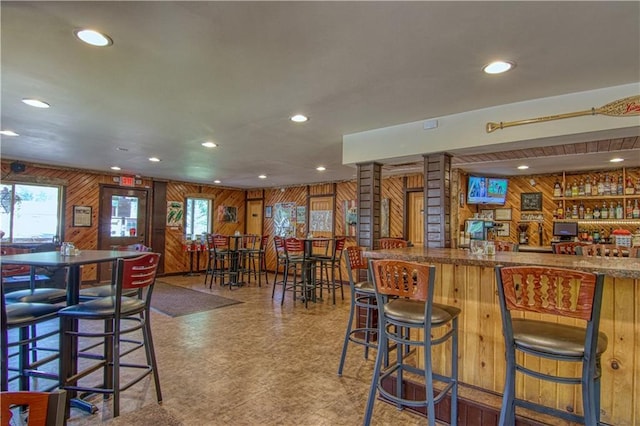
pixel 404 294
pixel 363 296
pixel 281 260
pixel 331 263
pixel 561 293
pixel 121 315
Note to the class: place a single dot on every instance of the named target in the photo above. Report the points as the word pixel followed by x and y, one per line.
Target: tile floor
pixel 255 363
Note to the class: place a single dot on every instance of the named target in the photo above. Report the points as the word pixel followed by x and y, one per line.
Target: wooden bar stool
pixel 559 293
pixel 404 294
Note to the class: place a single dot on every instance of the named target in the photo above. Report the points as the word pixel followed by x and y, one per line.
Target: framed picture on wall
pixel 531 201
pixel 82 216
pixel 268 212
pixel 502 214
pixel 504 230
pixel 487 213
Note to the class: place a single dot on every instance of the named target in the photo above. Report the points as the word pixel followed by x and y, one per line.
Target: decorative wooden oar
pixel 620 108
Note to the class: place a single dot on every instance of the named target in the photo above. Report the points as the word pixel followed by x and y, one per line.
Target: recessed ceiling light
pixel 523 167
pixel 299 118
pixel 8 133
pixel 209 144
pixel 93 38
pixel 321 168
pixel 498 67
pixel 262 176
pixel 616 160
pixel 36 103
pixel 115 168
pixel 217 181
pixel 154 159
pixel 120 148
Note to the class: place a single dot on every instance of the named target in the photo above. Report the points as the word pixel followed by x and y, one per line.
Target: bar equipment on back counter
pixel 523 233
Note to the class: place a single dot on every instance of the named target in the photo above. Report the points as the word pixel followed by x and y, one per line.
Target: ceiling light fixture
pixel 209 144
pixel 8 133
pixel 93 38
pixel 155 159
pixel 616 160
pixel 217 181
pixel 498 67
pixel 321 168
pixel 523 167
pixel 299 118
pixel 262 176
pixel 36 103
pixel 115 168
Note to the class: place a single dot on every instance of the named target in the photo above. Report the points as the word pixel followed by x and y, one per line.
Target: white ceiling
pixel 181 73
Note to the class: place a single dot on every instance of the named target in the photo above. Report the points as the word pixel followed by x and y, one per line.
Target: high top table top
pixel 54 258
pixel 612 266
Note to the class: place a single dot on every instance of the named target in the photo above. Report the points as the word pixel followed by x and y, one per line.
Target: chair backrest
pixel 320 247
pixel 278 243
pixel 567 248
pixel 137 273
pixel 506 246
pixel 134 247
pixel 293 246
pixel 338 248
pixel 391 243
pixel 9 270
pixel 401 278
pixel 546 290
pixel 264 241
pixel 601 250
pixel 45 408
pixel 220 242
pixel 355 259
pixel 249 241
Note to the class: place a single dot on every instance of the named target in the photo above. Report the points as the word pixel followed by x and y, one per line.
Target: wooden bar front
pixel 468 282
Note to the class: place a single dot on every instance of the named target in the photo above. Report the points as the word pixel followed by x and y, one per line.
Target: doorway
pixel 415 218
pixel 122 221
pixel 254 217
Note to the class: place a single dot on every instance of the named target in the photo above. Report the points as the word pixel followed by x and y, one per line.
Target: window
pixel 29 213
pixel 198 216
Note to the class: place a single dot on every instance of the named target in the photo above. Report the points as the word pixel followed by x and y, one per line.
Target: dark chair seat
pixel 365 286
pixel 103 307
pixel 553 338
pixel 412 311
pixel 25 314
pixel 103 291
pixel 37 295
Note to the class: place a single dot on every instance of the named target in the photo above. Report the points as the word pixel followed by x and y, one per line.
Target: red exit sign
pixel 127 181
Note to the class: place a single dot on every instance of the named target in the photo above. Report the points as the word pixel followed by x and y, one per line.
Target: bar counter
pixel 468 282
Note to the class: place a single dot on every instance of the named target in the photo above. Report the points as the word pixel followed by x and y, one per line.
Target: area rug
pixel 177 301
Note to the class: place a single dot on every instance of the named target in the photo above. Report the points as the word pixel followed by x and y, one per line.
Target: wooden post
pixel 437 200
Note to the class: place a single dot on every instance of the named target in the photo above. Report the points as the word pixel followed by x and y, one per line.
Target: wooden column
pixel 369 188
pixel 437 200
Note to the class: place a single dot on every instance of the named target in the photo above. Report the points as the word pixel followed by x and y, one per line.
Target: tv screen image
pixel 487 190
pixel 565 230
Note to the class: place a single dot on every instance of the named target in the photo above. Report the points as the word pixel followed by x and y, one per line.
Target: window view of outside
pixel 124 216
pixel 29 213
pixel 198 217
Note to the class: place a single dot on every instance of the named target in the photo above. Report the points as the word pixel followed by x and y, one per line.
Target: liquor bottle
pixel 636 210
pixel 596 236
pixel 629 210
pixel 581 211
pixel 620 186
pixel 574 211
pixel 587 186
pixel 560 211
pixel 557 189
pixel 612 211
pixel 629 189
pixel 588 214
pixel 567 213
pixel 638 185
pixel 574 188
pixel 601 186
pixel 596 212
pixel 604 212
pixel 619 211
pixel 581 188
pixel 607 185
pixel 594 187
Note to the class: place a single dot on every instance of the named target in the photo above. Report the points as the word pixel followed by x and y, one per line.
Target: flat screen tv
pixel 565 230
pixel 487 190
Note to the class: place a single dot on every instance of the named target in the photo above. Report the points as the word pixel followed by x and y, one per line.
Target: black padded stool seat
pixel 104 307
pixel 413 311
pixel 103 291
pixel 38 295
pixel 553 338
pixel 26 314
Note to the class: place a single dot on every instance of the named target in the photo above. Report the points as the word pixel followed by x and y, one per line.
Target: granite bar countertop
pixel 615 267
